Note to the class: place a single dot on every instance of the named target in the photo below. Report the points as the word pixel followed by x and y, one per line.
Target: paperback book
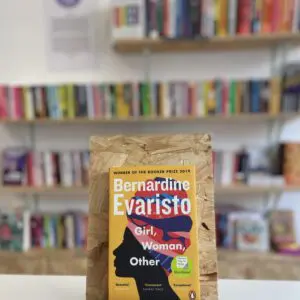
pixel 153 254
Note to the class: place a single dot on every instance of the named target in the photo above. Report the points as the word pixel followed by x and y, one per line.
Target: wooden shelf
pixel 254 265
pixel 239 189
pixel 209 118
pixel 229 43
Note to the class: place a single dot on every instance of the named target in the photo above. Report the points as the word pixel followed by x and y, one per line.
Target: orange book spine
pixel 284 24
pixel 267 16
pixel 223 18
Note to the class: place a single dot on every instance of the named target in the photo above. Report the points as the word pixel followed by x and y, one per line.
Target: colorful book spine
pixel 3 102
pixel 244 17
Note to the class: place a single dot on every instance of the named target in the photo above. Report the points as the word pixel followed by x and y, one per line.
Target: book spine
pixel 275 23
pixel 90 102
pixel 232 16
pixel 232 100
pixel 28 103
pixel 71 101
pixel 244 17
pixel 284 25
pixel 225 98
pixel 29 167
pixel 3 103
pixel 97 101
pixel 223 18
pixel 49 168
pixel 295 19
pixel 195 17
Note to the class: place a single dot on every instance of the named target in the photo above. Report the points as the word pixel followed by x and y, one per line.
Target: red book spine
pixel 29 165
pixel 275 15
pixel 3 103
pixel 244 17
pixel 97 101
pixel 225 98
pixel 267 15
pixel 19 103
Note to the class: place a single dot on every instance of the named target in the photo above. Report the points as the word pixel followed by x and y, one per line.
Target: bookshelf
pixel 230 43
pixel 239 189
pixel 252 117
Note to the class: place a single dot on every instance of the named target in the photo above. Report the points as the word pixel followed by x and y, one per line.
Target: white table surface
pixel 15 287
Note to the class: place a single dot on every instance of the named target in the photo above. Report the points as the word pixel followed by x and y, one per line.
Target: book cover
pixel 154 254
pixel 282 227
pixel 252 234
pixel 14 166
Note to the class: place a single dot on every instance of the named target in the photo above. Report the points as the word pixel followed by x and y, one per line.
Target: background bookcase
pixel 236 57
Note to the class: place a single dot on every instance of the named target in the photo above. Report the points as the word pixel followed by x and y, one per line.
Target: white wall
pixel 23 60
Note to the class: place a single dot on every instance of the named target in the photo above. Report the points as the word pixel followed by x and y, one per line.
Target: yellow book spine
pixel 223 17
pixel 122 108
pixel 211 98
pixel 206 97
pixel 28 103
pixel 274 106
pixel 71 101
pixel 63 101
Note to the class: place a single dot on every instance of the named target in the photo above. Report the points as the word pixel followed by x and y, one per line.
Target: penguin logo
pixel 192 295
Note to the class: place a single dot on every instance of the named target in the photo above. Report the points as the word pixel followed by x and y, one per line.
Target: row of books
pixel 246 230
pixel 23 230
pixel 148 99
pixel 252 165
pixel 22 167
pixel 173 19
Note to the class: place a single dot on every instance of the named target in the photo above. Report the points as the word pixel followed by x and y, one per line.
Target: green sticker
pixel 182 266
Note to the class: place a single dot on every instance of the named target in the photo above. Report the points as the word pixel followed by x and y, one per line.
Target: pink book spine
pixel 275 21
pixel 97 101
pixel 3 103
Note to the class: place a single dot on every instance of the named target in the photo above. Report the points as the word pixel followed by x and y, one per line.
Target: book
pixel 156 245
pixel 14 166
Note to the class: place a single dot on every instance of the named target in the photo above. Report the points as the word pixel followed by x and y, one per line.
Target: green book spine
pixel 232 95
pixel 46 232
pixel 71 101
pixel 146 99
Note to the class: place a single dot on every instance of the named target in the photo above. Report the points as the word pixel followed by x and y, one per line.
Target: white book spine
pixel 70 232
pixel 200 100
pixel 65 162
pixel 166 100
pixel 29 104
pixel 210 11
pixel 90 101
pixel 49 168
pixel 227 168
pixel 77 168
pixel 172 19
pixel 37 169
pixel 232 10
pixel 26 230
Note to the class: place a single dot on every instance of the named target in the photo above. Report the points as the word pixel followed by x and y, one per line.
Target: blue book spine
pixel 77 230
